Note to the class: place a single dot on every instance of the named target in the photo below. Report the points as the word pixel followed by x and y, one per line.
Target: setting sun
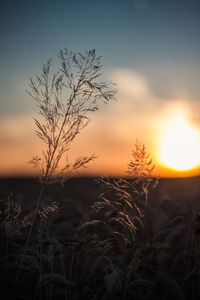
pixel 180 146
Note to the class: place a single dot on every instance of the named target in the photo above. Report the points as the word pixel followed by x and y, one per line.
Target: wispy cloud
pixel 137 114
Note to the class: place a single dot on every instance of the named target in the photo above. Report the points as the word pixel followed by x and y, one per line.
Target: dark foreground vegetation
pixel 118 238
pixel 82 252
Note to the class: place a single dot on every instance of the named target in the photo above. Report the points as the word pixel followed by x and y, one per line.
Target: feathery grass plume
pixel 10 212
pixel 65 100
pixel 115 217
pixel 9 223
pixel 123 212
pixel 140 171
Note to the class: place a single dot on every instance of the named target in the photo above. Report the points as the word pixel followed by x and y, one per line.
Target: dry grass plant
pixel 122 213
pixel 65 100
pixel 116 218
pixel 105 259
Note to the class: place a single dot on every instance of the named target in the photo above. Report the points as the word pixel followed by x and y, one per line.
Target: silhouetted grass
pixel 116 238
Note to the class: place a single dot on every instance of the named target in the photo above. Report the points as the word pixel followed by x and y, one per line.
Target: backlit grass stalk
pixel 64 100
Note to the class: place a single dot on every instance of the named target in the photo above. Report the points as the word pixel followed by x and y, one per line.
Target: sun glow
pixel 180 145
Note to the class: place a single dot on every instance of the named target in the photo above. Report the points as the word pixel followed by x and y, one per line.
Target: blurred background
pixel 149 48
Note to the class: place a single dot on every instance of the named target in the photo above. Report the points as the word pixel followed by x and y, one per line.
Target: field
pixel 76 253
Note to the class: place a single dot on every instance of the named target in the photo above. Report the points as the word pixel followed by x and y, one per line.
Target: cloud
pixel 137 114
pixel 130 83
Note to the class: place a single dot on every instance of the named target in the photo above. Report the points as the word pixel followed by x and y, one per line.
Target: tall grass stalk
pixel 64 100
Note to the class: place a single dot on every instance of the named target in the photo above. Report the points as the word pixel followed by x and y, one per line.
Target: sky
pixel 149 48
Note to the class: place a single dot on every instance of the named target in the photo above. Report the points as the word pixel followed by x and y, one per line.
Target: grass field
pixel 66 260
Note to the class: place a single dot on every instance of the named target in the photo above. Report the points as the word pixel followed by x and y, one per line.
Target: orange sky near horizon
pixel 111 134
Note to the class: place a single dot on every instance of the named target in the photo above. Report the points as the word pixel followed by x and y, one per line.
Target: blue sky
pixel 159 39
